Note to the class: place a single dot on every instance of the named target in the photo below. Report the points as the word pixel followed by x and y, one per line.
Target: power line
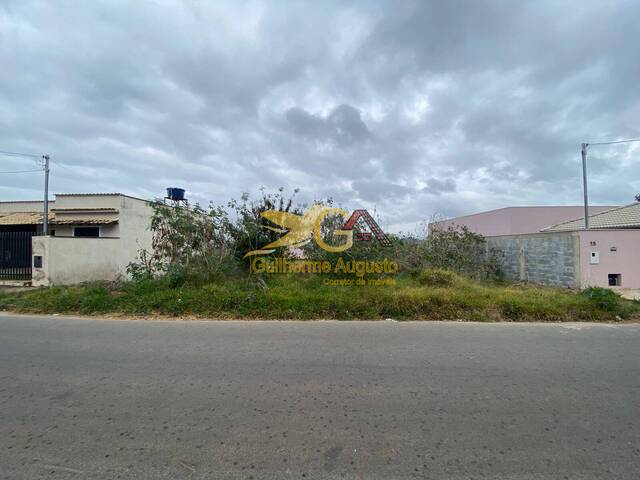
pixel 22 171
pixel 19 154
pixel 617 141
pixel 45 166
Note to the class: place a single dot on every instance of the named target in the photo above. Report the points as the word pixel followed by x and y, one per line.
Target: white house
pixel 92 236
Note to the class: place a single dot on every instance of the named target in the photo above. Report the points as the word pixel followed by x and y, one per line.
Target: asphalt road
pixel 85 399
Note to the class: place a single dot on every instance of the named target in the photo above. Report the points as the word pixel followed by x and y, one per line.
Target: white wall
pixel 67 200
pixel 69 260
pixel 26 206
pixel 135 220
pixel 75 260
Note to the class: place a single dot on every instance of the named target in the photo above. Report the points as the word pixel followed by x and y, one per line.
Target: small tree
pixel 460 250
pixel 247 229
pixel 186 242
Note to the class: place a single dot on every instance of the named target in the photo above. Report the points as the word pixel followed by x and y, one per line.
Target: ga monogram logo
pixel 301 229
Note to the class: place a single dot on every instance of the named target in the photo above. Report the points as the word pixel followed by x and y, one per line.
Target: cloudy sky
pixel 411 108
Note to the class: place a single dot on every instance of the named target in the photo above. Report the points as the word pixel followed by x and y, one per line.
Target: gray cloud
pixel 414 108
pixel 343 126
pixel 437 186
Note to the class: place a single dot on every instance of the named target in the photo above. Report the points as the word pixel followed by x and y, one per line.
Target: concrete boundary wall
pixel 545 258
pixel 69 260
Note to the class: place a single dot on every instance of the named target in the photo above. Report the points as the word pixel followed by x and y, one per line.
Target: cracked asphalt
pixel 109 399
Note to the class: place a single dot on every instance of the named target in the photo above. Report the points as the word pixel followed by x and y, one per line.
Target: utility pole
pixel 45 164
pixel 45 218
pixel 584 172
pixel 584 185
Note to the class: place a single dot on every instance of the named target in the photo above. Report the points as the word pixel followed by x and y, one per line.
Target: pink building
pixel 530 247
pixel 516 220
pixel 610 248
pixel 610 258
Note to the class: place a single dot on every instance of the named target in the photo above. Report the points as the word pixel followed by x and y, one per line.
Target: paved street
pixel 85 399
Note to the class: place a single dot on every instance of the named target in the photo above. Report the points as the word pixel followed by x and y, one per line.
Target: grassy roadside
pixel 439 296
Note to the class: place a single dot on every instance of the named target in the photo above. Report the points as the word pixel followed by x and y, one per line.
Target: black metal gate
pixel 15 255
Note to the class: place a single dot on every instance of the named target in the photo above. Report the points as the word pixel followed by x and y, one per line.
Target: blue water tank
pixel 175 193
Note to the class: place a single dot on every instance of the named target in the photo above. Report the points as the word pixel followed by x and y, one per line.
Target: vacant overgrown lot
pixel 431 295
pixel 197 268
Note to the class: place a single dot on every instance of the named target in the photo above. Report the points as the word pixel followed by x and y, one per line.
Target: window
pixel 615 280
pixel 86 232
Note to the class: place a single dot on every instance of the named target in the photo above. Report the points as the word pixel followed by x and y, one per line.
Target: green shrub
pixel 461 250
pixel 437 277
pixel 512 309
pixel 94 299
pixel 603 298
pixel 176 276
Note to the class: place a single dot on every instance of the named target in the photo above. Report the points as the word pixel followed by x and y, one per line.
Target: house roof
pixel 22 218
pixel 85 221
pixel 107 194
pixel 96 194
pixel 516 220
pixel 620 217
pixel 35 218
pixel 85 210
pixel 100 194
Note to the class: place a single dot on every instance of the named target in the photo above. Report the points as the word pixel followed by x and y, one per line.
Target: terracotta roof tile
pixel 35 218
pixel 22 218
pixel 85 221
